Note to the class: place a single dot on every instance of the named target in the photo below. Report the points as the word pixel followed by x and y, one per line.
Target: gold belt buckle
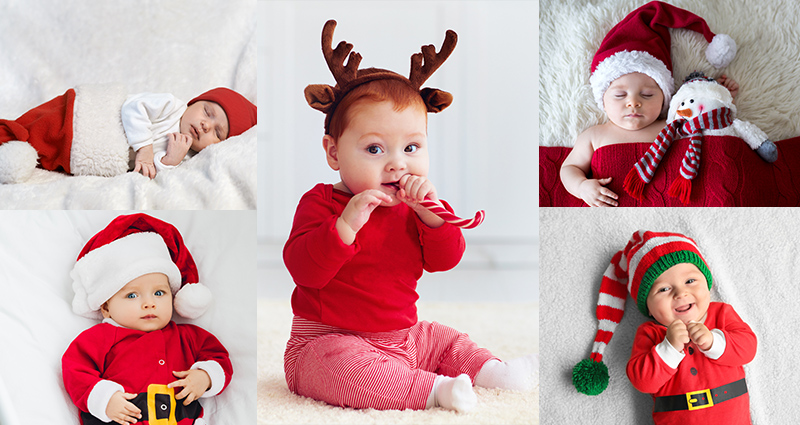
pixel 691 401
pixel 160 405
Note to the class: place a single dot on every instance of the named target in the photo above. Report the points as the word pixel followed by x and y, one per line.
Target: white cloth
pixel 148 119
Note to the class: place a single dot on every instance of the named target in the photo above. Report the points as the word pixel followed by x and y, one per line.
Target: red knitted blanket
pixel 731 175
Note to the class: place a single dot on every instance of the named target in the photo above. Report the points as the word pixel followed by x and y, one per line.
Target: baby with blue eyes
pixel 137 365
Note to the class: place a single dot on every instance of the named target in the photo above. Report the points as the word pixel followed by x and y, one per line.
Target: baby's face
pixel 144 304
pixel 633 101
pixel 680 293
pixel 379 146
pixel 205 123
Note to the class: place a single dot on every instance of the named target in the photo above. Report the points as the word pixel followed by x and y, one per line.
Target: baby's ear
pixel 104 310
pixel 320 97
pixel 436 100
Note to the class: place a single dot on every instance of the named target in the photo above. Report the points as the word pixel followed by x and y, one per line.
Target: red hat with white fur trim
pixel 129 247
pixel 641 43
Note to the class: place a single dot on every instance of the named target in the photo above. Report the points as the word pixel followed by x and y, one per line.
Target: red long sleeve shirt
pixel 369 286
pixel 650 374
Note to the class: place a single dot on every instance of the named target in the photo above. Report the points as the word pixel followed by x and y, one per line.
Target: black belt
pixel 158 406
pixel 701 399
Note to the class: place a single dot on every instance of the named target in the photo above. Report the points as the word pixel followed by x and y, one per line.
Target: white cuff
pixel 717 347
pixel 217 375
pixel 669 354
pixel 160 166
pixel 97 402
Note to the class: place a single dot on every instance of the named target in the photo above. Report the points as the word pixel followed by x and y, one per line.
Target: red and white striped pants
pixel 378 370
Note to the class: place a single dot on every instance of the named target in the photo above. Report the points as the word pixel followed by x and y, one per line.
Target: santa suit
pixel 356 341
pixel 655 367
pixel 107 358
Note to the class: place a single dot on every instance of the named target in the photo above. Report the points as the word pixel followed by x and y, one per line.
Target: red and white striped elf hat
pixel 632 270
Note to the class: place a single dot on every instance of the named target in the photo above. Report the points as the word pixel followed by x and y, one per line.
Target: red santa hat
pixel 632 270
pixel 129 247
pixel 641 43
pixel 242 114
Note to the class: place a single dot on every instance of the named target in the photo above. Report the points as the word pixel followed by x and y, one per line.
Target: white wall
pixel 483 147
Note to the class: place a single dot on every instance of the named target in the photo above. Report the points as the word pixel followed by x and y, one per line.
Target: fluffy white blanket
pixel 39 249
pixel 753 257
pixel 182 47
pixel 765 65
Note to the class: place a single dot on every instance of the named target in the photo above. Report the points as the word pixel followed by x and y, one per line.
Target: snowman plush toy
pixel 701 107
pixel 702 94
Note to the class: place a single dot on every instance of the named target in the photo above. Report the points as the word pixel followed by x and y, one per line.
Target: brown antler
pixel 421 72
pixel 335 57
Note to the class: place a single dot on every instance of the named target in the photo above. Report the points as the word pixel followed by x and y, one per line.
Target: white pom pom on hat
pixel 129 247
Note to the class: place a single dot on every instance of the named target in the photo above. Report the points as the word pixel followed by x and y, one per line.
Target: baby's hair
pixel 399 93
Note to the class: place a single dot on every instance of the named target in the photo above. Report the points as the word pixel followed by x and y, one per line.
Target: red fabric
pixel 371 285
pixel 48 128
pixel 649 374
pixel 132 358
pixel 646 29
pixel 125 225
pixel 241 113
pixel 731 175
pixel 378 370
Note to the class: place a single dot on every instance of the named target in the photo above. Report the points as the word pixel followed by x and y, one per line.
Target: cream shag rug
pixel 508 330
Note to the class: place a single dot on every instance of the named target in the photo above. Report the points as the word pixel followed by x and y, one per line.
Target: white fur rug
pixel 508 330
pixel 754 257
pixel 765 66
pixel 183 47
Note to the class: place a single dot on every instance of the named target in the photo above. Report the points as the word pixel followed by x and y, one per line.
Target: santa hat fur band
pixel 641 43
pixel 129 247
pixel 632 270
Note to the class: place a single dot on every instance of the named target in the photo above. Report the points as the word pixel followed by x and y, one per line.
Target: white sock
pixel 452 393
pixel 520 374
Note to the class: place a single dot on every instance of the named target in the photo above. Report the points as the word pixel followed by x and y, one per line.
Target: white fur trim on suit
pixel 192 300
pixel 217 375
pixel 17 161
pixel 101 393
pixel 103 271
pixel 626 62
pixel 99 146
pixel 721 51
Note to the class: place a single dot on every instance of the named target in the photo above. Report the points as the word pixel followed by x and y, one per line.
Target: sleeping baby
pixel 90 130
pixel 632 83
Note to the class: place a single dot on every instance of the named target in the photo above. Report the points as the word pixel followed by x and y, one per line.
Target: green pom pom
pixel 590 377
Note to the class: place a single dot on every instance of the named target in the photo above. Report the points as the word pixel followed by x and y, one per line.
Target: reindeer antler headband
pixel 325 98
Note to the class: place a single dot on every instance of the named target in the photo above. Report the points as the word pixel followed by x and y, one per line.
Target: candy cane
pixel 452 218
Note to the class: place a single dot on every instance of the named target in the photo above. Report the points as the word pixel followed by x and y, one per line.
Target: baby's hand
pixel 122 411
pixel 144 162
pixel 357 213
pixel 677 334
pixel 177 146
pixel 195 382
pixel 413 189
pixel 595 194
pixel 700 335
pixel 729 84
